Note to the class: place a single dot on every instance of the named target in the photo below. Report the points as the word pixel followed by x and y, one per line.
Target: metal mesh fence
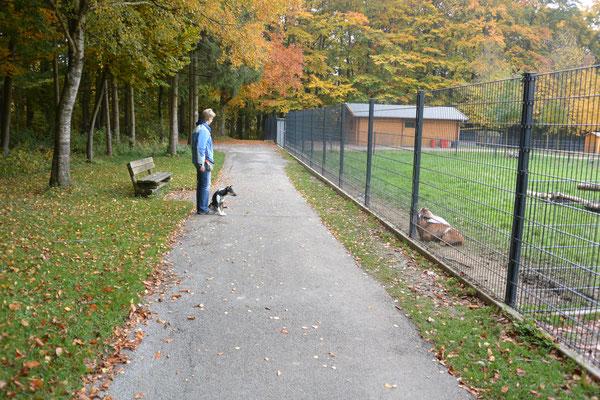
pixel 499 179
pixel 559 276
pixel 472 185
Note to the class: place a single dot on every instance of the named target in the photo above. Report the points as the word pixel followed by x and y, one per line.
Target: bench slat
pixel 143 161
pixel 155 178
pixel 139 167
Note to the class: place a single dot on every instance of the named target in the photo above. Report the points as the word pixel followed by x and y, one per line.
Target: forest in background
pixel 82 75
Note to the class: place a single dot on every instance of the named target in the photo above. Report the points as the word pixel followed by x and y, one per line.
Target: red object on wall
pixel 432 142
pixel 444 143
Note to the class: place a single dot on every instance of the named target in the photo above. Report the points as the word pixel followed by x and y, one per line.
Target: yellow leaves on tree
pixel 240 26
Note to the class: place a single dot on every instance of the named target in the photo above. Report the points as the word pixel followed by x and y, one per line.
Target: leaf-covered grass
pixel 73 260
pixel 494 357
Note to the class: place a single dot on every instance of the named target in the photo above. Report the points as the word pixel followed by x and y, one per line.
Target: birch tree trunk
pixel 61 166
pixel 173 99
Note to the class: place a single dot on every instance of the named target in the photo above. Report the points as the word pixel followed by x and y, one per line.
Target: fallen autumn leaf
pixel 32 364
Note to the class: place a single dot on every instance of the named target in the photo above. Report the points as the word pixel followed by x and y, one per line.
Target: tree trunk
pixel 190 116
pixel 222 120
pixel 232 127
pixel 183 115
pixel 1 112
pixel 99 97
pixel 247 124
pixel 56 84
pixel 240 126
pixel 131 117
pixel 195 98
pixel 18 112
pixel 127 112
pixel 6 111
pixel 193 94
pixel 84 102
pixel 161 133
pixel 173 96
pixel 28 111
pixel 263 124
pixel 99 86
pixel 259 118
pixel 116 111
pixel 61 167
pixel 109 151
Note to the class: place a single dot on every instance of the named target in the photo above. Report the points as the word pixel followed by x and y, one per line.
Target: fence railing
pixel 512 166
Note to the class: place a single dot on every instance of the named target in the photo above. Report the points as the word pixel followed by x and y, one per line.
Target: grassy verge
pixel 72 261
pixel 492 356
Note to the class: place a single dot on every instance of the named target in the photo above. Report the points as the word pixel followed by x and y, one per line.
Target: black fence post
pixel 324 141
pixel 516 242
pixel 284 129
pixel 414 202
pixel 342 134
pixel 369 152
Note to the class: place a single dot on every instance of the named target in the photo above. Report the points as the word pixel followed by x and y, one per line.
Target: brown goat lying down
pixel 432 228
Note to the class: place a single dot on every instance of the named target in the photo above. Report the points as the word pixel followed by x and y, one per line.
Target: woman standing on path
pixel 203 159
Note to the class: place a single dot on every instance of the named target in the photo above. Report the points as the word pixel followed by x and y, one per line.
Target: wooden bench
pixel 151 183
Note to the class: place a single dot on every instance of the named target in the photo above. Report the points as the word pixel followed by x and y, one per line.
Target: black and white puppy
pixel 218 199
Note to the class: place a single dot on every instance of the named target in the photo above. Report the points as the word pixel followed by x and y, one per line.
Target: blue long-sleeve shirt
pixel 202 147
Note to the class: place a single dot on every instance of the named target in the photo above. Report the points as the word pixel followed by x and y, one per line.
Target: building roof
pixel 360 110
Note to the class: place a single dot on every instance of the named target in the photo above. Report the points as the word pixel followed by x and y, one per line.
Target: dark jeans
pixel 202 189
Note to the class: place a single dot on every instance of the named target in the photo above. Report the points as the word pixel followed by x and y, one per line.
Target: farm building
pixel 592 143
pixel 394 125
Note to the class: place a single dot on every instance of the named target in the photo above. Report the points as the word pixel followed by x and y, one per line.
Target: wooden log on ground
pixel 558 197
pixel 595 187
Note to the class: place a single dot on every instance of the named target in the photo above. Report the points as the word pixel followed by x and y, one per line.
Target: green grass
pixel 73 260
pixel 474 191
pixel 497 358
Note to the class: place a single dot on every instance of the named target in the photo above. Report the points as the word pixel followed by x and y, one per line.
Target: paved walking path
pixel 281 309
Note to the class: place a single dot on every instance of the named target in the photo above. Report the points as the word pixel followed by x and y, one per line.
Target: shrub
pixel 24 161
